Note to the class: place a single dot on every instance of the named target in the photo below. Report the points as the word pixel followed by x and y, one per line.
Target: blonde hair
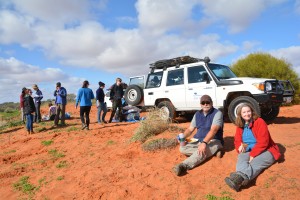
pixel 239 121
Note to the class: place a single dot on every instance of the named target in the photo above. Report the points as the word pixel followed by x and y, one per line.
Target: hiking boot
pixel 83 126
pixel 234 181
pixel 87 128
pixel 103 121
pixel 180 169
pixel 219 154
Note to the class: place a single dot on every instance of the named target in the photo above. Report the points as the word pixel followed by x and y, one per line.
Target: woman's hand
pixel 242 149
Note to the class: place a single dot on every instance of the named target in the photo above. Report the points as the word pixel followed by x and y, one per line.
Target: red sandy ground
pixel 103 164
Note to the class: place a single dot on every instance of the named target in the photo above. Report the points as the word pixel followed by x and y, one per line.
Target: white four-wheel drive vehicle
pixel 177 85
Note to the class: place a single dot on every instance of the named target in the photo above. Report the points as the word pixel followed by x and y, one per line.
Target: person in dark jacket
pixel 101 104
pixel 60 100
pixel 29 108
pixel 38 96
pixel 116 95
pixel 22 104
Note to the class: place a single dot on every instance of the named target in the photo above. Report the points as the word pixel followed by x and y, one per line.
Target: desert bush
pixel 158 144
pixel 24 186
pixel 152 125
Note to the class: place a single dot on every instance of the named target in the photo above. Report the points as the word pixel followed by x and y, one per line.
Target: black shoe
pixel 234 181
pixel 180 169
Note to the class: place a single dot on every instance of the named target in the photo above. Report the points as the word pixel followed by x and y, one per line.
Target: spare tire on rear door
pixel 133 95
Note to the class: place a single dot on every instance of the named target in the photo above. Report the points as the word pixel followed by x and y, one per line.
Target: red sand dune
pixel 102 164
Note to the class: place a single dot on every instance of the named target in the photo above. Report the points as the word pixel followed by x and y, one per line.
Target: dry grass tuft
pixel 154 124
pixel 158 144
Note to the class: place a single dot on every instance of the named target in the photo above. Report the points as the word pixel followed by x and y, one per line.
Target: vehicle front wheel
pixel 235 103
pixel 168 110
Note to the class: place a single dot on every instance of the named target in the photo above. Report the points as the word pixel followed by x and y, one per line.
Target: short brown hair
pixel 118 79
pixel 239 121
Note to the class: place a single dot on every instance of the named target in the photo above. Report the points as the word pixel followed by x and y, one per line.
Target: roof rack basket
pixel 164 64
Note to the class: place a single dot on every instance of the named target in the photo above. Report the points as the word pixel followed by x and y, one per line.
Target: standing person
pixel 29 108
pixel 85 96
pixel 38 96
pixel 22 104
pixel 256 149
pixel 116 95
pixel 101 104
pixel 60 100
pixel 209 124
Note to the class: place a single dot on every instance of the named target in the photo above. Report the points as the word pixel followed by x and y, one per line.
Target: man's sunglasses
pixel 205 102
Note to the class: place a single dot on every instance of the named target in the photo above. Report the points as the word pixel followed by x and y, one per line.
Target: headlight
pixel 268 86
pixel 260 86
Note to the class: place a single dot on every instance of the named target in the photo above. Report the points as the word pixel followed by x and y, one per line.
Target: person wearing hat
pixel 38 96
pixel 29 108
pixel 85 96
pixel 22 104
pixel 209 124
pixel 61 101
pixel 101 104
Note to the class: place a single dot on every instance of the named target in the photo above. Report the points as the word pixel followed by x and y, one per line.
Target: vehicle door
pixel 175 89
pixel 197 85
pixel 153 89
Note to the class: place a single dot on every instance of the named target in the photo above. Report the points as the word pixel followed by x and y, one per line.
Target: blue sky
pixel 43 42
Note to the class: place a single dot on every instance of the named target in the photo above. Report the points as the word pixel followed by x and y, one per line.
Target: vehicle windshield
pixel 139 80
pixel 221 71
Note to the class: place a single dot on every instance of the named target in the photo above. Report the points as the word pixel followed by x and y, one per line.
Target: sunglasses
pixel 205 102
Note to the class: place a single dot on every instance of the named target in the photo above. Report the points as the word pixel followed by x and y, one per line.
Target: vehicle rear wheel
pixel 271 113
pixel 168 110
pixel 233 106
pixel 133 95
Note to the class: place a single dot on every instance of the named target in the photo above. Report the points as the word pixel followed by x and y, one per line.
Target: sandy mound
pixel 102 164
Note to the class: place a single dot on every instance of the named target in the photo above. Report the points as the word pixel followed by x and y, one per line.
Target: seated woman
pixel 257 151
pixel 52 111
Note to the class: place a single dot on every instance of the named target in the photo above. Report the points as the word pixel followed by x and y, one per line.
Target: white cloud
pixel 237 14
pixel 250 45
pixel 14 75
pixel 56 12
pixel 290 54
pixel 297 6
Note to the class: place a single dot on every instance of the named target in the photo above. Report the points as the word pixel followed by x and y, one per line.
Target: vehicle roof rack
pixel 164 64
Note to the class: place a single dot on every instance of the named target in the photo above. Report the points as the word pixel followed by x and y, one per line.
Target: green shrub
pixel 55 153
pixel 24 186
pixel 47 142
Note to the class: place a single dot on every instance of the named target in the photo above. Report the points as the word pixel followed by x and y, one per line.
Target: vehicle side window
pixel 175 77
pixel 154 80
pixel 196 74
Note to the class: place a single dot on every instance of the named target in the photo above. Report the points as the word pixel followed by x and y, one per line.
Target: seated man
pixel 209 124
